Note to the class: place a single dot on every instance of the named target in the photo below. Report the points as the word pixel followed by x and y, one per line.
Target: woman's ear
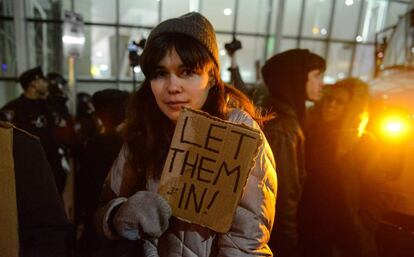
pixel 211 81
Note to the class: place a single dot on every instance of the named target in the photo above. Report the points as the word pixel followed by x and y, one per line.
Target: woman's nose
pixel 174 85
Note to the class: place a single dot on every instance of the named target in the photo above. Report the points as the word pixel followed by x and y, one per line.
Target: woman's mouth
pixel 176 105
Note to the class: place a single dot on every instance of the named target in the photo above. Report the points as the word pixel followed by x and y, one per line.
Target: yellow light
pixel 363 123
pixel 315 30
pixel 395 126
pixel 94 71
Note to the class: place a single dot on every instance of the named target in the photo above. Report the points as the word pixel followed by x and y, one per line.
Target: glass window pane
pixel 374 16
pixel 274 9
pixel 99 54
pixel 97 10
pixel 126 36
pixel 338 61
pixel 45 47
pixel 317 47
pixel 6 7
pixel 316 20
pixel 250 57
pixel 395 10
pixel 398 45
pixel 66 6
pixel 257 11
pixel 220 13
pixel 7 49
pixel 291 17
pixel 142 12
pixel 127 86
pixel 173 8
pixel 92 87
pixel 224 58
pixel 43 9
pixel 364 62
pixel 345 20
pixel 9 90
pixel 288 44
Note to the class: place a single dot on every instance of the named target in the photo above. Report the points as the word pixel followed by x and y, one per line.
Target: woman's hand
pixel 144 212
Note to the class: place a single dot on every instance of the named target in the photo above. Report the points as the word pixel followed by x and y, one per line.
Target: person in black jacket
pixel 100 151
pixel 292 77
pixel 32 113
pixel 42 225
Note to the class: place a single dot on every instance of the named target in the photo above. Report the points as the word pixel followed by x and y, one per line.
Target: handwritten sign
pixel 207 167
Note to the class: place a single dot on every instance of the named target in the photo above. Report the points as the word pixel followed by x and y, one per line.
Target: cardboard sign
pixel 207 168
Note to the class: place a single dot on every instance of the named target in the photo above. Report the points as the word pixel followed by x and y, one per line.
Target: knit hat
pixel 192 24
pixel 30 75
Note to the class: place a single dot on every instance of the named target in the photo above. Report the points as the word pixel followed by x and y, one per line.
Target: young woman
pixel 292 77
pixel 181 66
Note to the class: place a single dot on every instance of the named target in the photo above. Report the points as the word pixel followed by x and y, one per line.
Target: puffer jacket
pixel 252 222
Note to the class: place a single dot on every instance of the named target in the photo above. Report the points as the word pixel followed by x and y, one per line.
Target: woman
pixel 292 77
pixel 181 65
pixel 341 203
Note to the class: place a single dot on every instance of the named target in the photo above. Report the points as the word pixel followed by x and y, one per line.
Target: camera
pixel 233 46
pixel 135 50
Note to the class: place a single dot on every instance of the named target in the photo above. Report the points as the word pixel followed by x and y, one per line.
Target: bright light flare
pixel 227 11
pixel 349 2
pixel 73 40
pixel 395 127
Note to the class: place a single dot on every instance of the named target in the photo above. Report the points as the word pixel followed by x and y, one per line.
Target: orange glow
pixel 395 126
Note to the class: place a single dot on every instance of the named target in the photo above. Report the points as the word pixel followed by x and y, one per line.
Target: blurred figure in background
pixel 58 98
pixel 292 77
pixel 87 123
pixel 341 204
pixel 100 152
pixel 32 113
pixel 58 93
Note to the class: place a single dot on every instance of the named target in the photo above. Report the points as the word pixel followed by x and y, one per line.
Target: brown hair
pixel 148 130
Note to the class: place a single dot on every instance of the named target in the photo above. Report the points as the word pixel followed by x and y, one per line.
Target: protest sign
pixel 207 167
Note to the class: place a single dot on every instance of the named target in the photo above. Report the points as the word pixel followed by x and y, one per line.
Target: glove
pixel 149 248
pixel 143 213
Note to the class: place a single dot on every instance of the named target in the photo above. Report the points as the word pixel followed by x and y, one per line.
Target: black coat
pixel 286 139
pixel 43 228
pixel 38 118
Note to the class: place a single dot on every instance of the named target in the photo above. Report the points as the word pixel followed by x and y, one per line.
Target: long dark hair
pixel 285 75
pixel 148 131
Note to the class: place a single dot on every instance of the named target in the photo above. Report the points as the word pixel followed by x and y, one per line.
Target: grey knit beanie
pixel 194 25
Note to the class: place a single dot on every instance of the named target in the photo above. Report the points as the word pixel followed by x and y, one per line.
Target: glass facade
pixel 341 31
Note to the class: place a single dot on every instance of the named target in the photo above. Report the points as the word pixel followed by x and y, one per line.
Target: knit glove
pixel 143 213
pixel 149 248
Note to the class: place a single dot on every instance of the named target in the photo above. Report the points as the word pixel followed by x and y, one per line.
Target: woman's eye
pixel 160 74
pixel 188 72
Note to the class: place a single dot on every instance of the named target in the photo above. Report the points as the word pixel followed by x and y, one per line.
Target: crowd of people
pixel 315 189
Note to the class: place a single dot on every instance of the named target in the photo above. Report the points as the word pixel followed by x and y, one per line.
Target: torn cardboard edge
pixel 192 180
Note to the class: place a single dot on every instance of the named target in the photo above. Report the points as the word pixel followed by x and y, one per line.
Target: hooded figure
pixel 292 77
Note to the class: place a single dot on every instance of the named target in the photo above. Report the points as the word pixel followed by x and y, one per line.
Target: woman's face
pixel 175 86
pixel 314 85
pixel 334 104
